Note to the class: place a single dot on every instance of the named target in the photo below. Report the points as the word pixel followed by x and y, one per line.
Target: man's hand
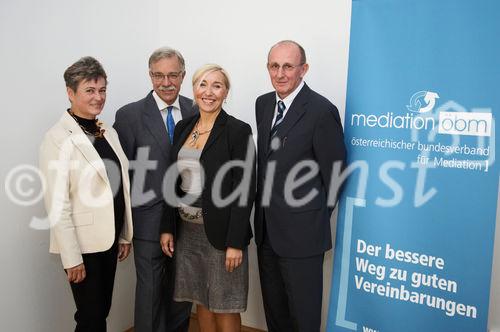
pixel 123 251
pixel 234 258
pixel 76 274
pixel 167 243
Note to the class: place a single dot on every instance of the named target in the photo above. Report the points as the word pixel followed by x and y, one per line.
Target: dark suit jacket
pixel 140 125
pixel 229 139
pixel 311 130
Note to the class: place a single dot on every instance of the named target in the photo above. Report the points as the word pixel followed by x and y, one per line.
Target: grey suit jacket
pixel 144 137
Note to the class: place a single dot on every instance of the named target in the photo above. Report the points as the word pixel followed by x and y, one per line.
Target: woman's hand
pixel 123 251
pixel 234 258
pixel 76 274
pixel 167 244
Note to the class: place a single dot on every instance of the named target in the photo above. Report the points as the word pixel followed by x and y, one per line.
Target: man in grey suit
pixel 146 129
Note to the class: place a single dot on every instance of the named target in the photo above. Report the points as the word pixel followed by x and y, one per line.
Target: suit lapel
pixel 179 141
pixel 186 107
pixel 217 129
pixel 83 144
pixel 154 122
pixel 294 113
pixel 115 145
pixel 269 109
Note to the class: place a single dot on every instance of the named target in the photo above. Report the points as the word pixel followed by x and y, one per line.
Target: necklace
pixel 99 132
pixel 196 134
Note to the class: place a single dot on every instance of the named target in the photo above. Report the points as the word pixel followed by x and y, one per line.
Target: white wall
pixel 38 40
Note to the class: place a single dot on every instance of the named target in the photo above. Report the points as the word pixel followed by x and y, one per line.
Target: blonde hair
pixel 207 69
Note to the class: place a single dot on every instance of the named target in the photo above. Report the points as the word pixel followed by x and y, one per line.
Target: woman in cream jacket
pixel 87 195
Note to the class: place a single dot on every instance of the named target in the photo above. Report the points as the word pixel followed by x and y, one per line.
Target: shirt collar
pixel 162 105
pixel 288 100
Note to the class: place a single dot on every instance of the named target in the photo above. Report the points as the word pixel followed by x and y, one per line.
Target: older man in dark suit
pixel 299 141
pixel 146 129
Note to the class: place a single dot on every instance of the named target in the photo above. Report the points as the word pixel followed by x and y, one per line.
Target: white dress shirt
pixel 162 106
pixel 288 100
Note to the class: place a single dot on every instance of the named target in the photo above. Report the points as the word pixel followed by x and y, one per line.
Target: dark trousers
pixel 155 310
pixel 94 294
pixel 292 290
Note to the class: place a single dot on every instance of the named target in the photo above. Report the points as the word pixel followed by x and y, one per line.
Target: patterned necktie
pixel 170 124
pixel 279 118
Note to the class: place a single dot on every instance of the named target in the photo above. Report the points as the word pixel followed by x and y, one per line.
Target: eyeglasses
pixel 287 68
pixel 160 77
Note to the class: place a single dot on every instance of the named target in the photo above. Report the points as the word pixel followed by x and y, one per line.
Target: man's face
pixel 285 68
pixel 167 75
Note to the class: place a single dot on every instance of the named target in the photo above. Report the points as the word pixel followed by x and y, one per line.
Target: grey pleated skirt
pixel 201 276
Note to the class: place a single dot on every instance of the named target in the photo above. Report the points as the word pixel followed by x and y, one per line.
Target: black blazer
pixel 229 140
pixel 310 131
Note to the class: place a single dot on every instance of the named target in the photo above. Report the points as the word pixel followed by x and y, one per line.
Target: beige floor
pixel 193 327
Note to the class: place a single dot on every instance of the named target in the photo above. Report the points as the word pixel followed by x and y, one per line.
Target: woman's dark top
pixel 112 164
pixel 229 140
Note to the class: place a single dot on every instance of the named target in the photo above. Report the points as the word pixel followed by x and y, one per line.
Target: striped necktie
pixel 279 118
pixel 170 124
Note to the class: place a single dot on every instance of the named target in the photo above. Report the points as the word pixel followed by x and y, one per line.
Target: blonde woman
pixel 212 238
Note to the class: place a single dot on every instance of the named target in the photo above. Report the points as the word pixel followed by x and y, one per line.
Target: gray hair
pixel 85 69
pixel 166 52
pixel 287 41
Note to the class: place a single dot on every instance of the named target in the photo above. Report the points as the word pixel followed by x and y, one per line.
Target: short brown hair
pixel 85 69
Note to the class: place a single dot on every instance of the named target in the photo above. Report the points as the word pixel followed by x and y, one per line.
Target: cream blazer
pixel 78 195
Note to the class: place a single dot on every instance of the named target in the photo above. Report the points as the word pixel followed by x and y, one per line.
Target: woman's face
pixel 210 92
pixel 88 100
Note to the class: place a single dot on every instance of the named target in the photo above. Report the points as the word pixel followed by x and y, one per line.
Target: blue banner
pixel 416 221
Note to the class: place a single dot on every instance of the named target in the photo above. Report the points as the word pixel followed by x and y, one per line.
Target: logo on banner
pixel 421 117
pixel 465 123
pixel 422 102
